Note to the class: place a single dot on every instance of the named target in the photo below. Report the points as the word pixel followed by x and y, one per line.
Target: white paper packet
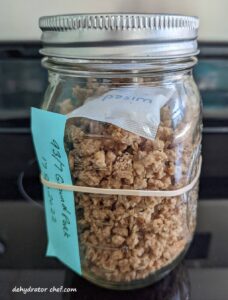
pixel 133 108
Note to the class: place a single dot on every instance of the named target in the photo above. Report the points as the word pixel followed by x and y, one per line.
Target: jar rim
pixel 117 68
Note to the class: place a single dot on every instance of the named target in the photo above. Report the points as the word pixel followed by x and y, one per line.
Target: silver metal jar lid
pixel 119 36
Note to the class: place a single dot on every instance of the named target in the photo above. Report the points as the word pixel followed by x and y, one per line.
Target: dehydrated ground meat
pixel 123 238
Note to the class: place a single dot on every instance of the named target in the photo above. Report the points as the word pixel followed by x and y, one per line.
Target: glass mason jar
pixel 128 240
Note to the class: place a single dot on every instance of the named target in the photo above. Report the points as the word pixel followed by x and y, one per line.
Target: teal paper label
pixel 48 137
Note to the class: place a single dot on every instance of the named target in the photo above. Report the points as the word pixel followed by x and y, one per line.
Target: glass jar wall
pixel 130 241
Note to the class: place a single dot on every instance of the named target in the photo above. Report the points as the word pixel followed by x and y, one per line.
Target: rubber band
pixel 124 192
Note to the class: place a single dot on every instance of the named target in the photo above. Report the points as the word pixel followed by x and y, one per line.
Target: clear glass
pixel 130 241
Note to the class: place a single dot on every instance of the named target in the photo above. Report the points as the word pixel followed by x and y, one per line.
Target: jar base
pixel 139 283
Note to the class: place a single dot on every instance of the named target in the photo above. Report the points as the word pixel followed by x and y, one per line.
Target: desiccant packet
pixel 135 109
